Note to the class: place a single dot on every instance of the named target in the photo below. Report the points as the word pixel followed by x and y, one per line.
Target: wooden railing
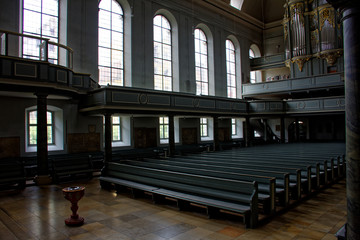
pixel 12 44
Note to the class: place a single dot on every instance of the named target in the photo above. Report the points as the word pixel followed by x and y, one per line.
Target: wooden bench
pixel 282 179
pixel 70 166
pixel 12 174
pixel 214 194
pixel 266 185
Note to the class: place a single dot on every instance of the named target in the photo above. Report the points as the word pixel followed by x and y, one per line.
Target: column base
pixel 43 180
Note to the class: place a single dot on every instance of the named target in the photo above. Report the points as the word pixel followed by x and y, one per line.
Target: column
pixel 247 132
pixel 216 142
pixel 350 11
pixel 265 130
pixel 171 136
pixel 108 147
pixel 297 130
pixel 282 129
pixel 42 145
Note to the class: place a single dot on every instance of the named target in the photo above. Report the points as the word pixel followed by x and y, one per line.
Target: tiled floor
pixel 39 213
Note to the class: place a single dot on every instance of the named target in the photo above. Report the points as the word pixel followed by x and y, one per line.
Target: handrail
pixel 14 49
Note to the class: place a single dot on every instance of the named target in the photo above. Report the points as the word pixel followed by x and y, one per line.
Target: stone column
pixel 42 145
pixel 265 130
pixel 216 142
pixel 350 11
pixel 108 147
pixel 171 136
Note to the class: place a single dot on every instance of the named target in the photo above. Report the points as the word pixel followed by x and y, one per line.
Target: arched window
pixel 254 52
pixel 111 43
pixel 41 19
pixel 230 69
pixel 162 54
pixel 201 63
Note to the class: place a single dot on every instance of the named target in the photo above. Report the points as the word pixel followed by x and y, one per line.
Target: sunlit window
pixel 252 73
pixel 233 127
pixel 204 127
pixel 40 19
pixel 111 43
pixel 230 69
pixel 162 54
pixel 201 63
pixel 164 127
pixel 32 127
pixel 116 128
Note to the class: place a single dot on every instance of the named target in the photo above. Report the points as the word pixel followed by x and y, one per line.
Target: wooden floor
pixel 39 213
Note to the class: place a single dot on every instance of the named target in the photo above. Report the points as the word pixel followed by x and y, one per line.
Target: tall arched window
pixel 252 73
pixel 201 63
pixel 230 69
pixel 111 43
pixel 162 54
pixel 41 19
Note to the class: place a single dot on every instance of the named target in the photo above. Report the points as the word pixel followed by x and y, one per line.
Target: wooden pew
pixel 282 179
pixel 266 185
pixel 213 193
pixel 12 174
pixel 70 166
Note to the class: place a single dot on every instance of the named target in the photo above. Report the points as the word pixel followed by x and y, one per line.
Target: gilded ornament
pixel 331 56
pixel 327 14
pixel 300 61
pixel 297 9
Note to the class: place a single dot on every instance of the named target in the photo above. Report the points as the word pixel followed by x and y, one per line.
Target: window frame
pixel 119 131
pixel 162 44
pixel 231 63
pixel 200 70
pixel 52 125
pixel 204 127
pixel 110 80
pixel 41 34
pixel 164 128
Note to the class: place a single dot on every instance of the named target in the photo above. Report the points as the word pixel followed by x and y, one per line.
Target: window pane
pixel 33 117
pixel 32 22
pixel 104 38
pixel 157 34
pixel 117 22
pixel 31 47
pixel 158 82
pixel 32 135
pixel 204 61
pixel 50 7
pixel 167 83
pixel 116 133
pixel 49 117
pixel 116 8
pixel 104 75
pixel 166 34
pixel 104 19
pixel 117 77
pixel 158 66
pixel 104 57
pixel 167 52
pixel 105 4
pixel 33 5
pixel 157 20
pixel 166 68
pixel 116 59
pixel 50 135
pixel 117 41
pixel 157 50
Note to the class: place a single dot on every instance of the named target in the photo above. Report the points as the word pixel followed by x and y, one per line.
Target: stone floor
pixel 39 213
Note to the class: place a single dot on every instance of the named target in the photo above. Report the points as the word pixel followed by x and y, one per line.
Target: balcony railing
pixel 13 44
pixel 267 62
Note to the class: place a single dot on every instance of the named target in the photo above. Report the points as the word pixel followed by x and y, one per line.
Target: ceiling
pixel 264 10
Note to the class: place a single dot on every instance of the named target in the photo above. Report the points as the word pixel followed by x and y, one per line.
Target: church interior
pixel 191 119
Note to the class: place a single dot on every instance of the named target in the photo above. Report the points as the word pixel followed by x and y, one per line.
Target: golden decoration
pixel 297 9
pixel 285 31
pixel 287 63
pixel 300 61
pixel 327 14
pixel 331 56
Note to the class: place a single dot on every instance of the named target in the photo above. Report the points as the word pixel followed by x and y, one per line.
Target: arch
pixel 210 53
pixel 255 49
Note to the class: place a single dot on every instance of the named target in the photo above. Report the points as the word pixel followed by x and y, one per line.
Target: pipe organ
pixel 311 30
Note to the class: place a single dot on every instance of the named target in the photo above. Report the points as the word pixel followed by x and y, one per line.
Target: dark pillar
pixel 351 19
pixel 108 147
pixel 216 134
pixel 247 132
pixel 171 136
pixel 42 145
pixel 265 130
pixel 282 130
pixel 297 130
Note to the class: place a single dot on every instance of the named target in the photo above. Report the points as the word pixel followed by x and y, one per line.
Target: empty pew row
pixel 266 185
pixel 215 194
pixel 282 178
pixel 310 172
